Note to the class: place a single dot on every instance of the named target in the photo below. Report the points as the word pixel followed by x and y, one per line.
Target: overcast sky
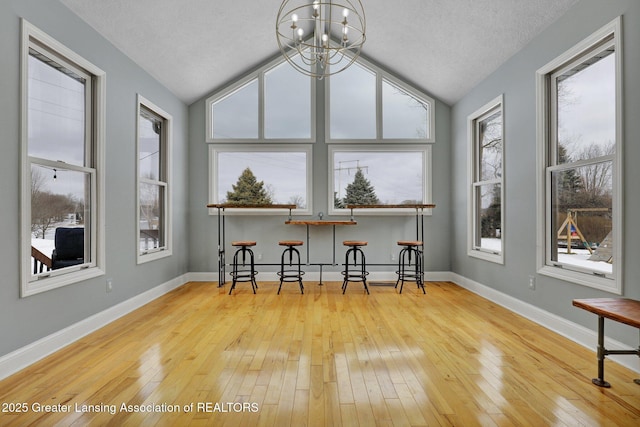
pixel 588 109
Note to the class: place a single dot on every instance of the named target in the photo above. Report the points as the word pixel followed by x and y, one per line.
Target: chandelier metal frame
pixel 326 35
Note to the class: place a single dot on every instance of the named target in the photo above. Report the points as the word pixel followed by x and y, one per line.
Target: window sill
pixel 154 255
pixel 381 212
pixel 487 255
pixel 611 285
pixel 49 283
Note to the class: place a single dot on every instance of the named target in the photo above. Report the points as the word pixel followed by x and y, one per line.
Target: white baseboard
pixel 31 353
pixel 570 330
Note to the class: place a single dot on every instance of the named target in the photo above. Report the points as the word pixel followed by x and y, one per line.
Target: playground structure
pixel 572 232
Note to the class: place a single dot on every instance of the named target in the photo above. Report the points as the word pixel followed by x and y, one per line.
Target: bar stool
pixel 405 272
pixel 242 274
pixel 357 274
pixel 291 274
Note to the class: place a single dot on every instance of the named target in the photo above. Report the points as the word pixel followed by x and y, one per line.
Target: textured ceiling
pixel 445 47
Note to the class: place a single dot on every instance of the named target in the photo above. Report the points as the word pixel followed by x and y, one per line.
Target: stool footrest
pixel 410 264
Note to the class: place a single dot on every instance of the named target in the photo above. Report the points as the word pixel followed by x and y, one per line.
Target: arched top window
pixel 367 104
pixel 362 104
pixel 276 103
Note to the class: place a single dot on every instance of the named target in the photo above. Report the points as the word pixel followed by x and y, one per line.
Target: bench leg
pixel 637 381
pixel 600 382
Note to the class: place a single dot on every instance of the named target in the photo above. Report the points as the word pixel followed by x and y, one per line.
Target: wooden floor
pixel 447 358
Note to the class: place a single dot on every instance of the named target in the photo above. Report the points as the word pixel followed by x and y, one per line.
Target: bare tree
pixel 297 200
pixel 597 177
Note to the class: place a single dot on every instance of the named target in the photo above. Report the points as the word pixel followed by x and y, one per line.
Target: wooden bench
pixel 621 310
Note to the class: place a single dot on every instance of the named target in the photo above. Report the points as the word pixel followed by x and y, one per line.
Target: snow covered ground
pixel 580 258
pixel 577 257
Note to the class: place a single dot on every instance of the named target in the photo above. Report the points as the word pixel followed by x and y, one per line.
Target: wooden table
pixel 621 310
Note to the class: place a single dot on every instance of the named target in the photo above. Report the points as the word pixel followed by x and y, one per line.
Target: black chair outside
pixel 241 271
pixel 356 272
pixel 294 272
pixel 410 264
pixel 69 247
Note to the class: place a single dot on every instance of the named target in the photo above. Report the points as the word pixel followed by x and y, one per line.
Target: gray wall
pixel 25 320
pixel 382 232
pixel 516 80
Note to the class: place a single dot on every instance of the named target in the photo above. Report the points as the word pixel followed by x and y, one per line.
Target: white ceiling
pixel 445 47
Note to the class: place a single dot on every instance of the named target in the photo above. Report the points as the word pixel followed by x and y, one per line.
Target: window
pixel 261 174
pixel 353 104
pixel 399 175
pixel 580 151
pixel 276 104
pixel 154 167
pixel 235 116
pixel 62 162
pixel 368 105
pixel 486 208
pixel 262 126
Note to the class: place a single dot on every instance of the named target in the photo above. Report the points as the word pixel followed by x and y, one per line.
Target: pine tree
pixel 569 184
pixel 248 190
pixel 338 203
pixel 360 191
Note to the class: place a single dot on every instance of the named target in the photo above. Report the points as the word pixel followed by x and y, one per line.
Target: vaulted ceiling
pixel 444 47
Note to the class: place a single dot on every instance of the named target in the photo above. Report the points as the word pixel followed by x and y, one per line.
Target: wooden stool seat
pixel 290 242
pixel 244 243
pixel 409 243
pixel 354 243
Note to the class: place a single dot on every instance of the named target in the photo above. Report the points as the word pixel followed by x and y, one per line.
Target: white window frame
pixel 544 123
pixel 382 75
pixel 166 144
pixel 32 37
pixel 473 119
pixel 258 75
pixel 216 149
pixel 427 169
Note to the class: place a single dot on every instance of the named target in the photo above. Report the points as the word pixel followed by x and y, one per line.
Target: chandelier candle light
pixel 320 38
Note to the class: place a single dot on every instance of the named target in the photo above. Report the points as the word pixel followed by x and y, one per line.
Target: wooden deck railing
pixel 40 261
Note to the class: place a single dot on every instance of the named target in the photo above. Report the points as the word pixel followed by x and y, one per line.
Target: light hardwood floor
pixel 446 358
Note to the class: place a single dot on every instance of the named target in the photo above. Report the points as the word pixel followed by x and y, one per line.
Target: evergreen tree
pixel 360 191
pixel 249 191
pixel 569 185
pixel 337 201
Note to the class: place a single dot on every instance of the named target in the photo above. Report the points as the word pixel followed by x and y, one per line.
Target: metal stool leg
pixel 364 272
pixel 346 270
pixel 420 270
pixel 254 285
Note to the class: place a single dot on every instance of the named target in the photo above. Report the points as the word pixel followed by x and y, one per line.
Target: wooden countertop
pixel 318 222
pixel 622 310
pixel 239 206
pixel 415 206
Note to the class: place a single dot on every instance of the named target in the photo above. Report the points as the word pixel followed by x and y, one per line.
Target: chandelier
pixel 322 37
